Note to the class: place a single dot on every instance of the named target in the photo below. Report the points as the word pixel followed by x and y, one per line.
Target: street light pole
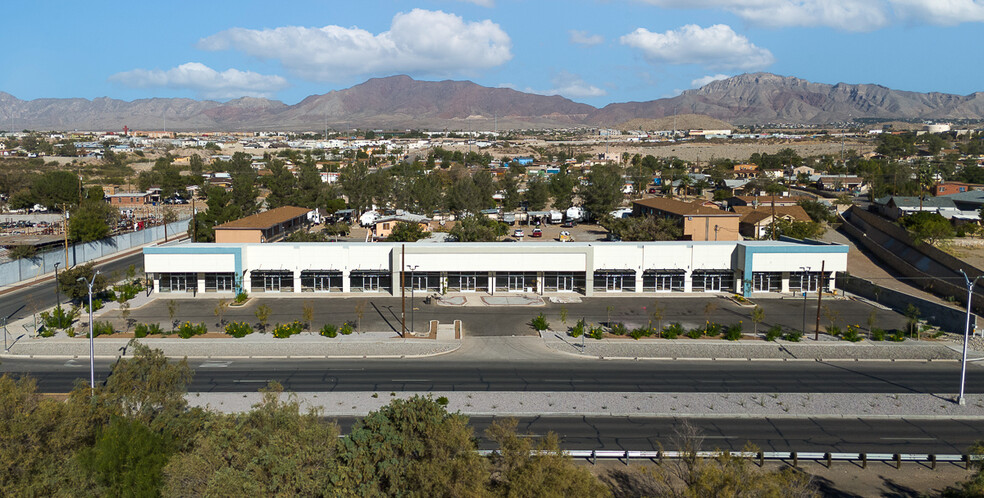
pixel 963 359
pixel 92 353
pixel 806 271
pixel 57 295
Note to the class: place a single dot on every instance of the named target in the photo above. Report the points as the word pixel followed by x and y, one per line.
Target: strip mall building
pixel 586 268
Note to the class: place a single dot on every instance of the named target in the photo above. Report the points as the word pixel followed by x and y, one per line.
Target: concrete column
pixel 589 284
pixel 346 281
pixel 539 283
pixel 201 282
pixel 297 280
pixel 785 282
pixel 157 283
pixel 638 282
pixel 490 284
pixel 247 282
pixel 688 282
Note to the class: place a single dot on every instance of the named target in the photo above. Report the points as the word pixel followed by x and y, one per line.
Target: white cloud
pixel 204 80
pixel 714 47
pixel 584 38
pixel 564 84
pixel 943 12
pixel 481 3
pixel 419 42
pixel 848 15
pixel 699 82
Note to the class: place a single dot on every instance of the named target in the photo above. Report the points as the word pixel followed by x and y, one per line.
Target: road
pixel 945 436
pixel 41 296
pixel 447 374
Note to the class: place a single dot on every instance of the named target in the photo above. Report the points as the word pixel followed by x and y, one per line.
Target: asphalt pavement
pixel 768 434
pixel 445 373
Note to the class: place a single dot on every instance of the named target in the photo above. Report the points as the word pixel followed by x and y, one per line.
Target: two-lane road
pixel 447 374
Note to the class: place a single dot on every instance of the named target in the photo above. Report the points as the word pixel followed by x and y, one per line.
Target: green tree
pixel 478 229
pixel 521 467
pixel 562 189
pixel 758 316
pixel 55 189
pixel 413 446
pixel 92 221
pixel 69 284
pixel 643 228
pixel 604 190
pixel 282 185
pixel 795 229
pixel 927 227
pixel 537 194
pixel 406 232
pixel 272 450
pixel 974 486
pixel 127 459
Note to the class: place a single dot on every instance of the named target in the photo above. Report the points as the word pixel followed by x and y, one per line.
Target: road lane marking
pixel 249 381
pixel 215 364
pixel 908 438
pixel 411 380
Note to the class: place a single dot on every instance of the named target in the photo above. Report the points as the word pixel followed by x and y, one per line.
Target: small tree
pixel 77 289
pixel 307 311
pixel 872 320
pixel 360 310
pixel 758 315
pixel 172 310
pixel 219 311
pixel 609 309
pixel 563 314
pixel 657 314
pixel 263 316
pixel 709 309
pixel 406 232
pixel 125 312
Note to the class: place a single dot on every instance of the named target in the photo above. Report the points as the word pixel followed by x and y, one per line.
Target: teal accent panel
pixel 237 253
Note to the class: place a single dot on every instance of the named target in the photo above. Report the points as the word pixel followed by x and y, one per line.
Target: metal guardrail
pixel 828 458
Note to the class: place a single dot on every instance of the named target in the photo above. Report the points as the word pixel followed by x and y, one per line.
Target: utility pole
pixel 403 288
pixel 194 212
pixel 65 223
pixel 816 333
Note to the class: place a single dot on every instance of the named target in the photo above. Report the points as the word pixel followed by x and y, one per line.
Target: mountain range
pixel 400 102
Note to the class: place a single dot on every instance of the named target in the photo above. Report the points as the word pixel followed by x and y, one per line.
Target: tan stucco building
pixel 268 226
pixel 698 222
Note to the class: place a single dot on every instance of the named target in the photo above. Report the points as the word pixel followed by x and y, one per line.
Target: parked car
pixel 568 224
pixel 537 233
pixel 518 232
pixel 611 237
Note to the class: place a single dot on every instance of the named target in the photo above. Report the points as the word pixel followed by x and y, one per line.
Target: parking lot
pixel 384 313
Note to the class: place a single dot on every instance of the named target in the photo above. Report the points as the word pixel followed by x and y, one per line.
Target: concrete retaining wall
pixel 949 318
pixel 13 272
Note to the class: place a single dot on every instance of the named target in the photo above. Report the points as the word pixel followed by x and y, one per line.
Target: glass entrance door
pixel 272 283
pixel 516 283
pixel 712 283
pixel 468 283
pixel 565 283
pixel 614 283
pixel 179 282
pixel 418 282
pixel 370 283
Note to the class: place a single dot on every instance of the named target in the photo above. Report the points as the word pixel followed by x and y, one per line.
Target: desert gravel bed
pixel 628 404
pixel 711 348
pixel 254 345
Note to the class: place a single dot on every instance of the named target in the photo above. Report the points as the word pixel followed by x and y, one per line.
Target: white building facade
pixel 585 268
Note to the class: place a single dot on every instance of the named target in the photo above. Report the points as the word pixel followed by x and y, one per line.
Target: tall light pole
pixel 963 360
pixel 57 295
pixel 92 353
pixel 806 271
pixel 413 278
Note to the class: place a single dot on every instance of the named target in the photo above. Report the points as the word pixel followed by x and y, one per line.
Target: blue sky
pixel 591 51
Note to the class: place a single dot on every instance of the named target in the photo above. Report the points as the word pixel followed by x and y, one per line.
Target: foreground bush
pixel 102 328
pixel 144 329
pixel 673 330
pixel 329 330
pixel 773 333
pixel 238 329
pixel 540 323
pixel 187 330
pixel 285 330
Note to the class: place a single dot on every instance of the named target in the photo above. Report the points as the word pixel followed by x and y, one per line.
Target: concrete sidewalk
pixel 703 349
pixel 256 345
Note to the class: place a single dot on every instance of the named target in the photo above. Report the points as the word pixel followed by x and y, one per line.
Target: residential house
pixel 765 200
pixel 746 170
pixel 755 222
pixel 841 183
pixel 268 226
pixel 950 188
pixel 697 221
pixel 895 207
pixel 384 226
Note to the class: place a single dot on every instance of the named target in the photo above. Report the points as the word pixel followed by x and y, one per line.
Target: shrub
pixel 877 334
pixel 834 330
pixel 443 401
pixel 540 323
pixel 619 328
pixel 712 329
pixel 773 333
pixel 733 333
pixel 238 329
pixel 241 297
pixel 144 329
pixel 97 305
pixel 128 291
pixel 597 332
pixel 188 330
pixel 695 333
pixel 329 330
pixel 851 334
pixel 285 330
pixel 58 318
pixel 578 329
pixel 673 330
pixel 640 332
pixel 898 335
pixel 102 328
pixel 793 336
pixel 346 329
